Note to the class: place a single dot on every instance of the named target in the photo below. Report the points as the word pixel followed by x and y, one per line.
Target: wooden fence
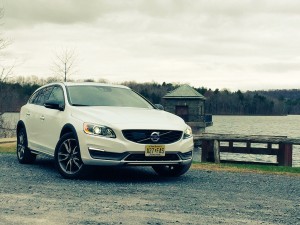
pixel 213 144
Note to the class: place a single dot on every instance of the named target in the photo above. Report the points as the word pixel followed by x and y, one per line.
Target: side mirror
pixel 159 106
pixel 51 104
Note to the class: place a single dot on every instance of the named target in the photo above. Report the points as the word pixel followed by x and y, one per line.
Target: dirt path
pixel 36 194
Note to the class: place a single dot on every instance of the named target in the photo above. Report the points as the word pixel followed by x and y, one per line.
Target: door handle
pixel 42 118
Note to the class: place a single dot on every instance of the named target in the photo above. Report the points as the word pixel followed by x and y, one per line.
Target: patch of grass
pixel 248 168
pixel 8 148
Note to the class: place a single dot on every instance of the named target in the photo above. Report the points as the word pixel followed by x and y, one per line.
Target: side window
pixel 33 97
pixel 42 96
pixel 57 95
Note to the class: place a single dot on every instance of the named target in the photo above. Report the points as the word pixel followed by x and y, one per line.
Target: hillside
pixel 274 102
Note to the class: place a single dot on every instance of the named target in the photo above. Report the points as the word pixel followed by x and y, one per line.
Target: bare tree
pixel 64 64
pixel 3 42
pixel 5 72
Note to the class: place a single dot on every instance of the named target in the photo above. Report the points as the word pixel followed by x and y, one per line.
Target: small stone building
pixel 187 103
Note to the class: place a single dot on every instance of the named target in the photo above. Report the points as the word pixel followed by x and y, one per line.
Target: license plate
pixel 155 150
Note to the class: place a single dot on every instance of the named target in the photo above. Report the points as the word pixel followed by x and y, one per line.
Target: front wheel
pixel 23 152
pixel 67 157
pixel 171 170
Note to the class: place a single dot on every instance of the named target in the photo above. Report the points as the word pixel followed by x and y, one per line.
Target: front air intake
pixel 147 136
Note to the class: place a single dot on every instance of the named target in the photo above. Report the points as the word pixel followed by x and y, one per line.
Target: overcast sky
pixel 234 44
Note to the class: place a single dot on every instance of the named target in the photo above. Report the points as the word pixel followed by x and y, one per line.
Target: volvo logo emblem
pixel 155 137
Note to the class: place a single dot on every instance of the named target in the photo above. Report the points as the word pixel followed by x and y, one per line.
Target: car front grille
pixel 144 136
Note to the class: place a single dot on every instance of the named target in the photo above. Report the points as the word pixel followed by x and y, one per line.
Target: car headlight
pixel 188 133
pixel 100 130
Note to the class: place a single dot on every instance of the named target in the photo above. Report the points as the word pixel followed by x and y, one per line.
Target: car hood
pixel 129 118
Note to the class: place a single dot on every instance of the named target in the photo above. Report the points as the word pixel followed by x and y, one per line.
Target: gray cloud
pixel 279 67
pixel 179 40
pixel 76 11
pixel 27 12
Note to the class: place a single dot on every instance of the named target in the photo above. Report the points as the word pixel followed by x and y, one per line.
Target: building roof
pixel 184 91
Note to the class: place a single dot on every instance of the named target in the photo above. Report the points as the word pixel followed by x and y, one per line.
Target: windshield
pixel 105 96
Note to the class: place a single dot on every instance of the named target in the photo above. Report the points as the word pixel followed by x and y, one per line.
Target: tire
pixel 171 170
pixel 23 152
pixel 67 157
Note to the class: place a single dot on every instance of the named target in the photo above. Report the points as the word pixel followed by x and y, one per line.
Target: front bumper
pixel 96 150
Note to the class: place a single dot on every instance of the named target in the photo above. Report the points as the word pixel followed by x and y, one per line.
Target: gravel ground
pixel 37 194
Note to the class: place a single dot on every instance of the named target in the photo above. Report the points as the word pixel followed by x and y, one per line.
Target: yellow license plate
pixel 155 150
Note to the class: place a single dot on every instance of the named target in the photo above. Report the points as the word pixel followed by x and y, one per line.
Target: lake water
pixel 10 121
pixel 258 125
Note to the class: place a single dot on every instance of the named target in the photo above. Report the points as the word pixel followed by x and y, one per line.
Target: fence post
pixel 285 154
pixel 217 151
pixel 205 150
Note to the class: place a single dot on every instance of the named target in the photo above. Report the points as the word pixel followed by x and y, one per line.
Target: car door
pixel 35 117
pixel 52 121
pixel 31 118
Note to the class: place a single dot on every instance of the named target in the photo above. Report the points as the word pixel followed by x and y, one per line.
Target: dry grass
pixel 8 147
pixel 248 168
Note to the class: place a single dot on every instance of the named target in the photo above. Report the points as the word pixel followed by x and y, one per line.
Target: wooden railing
pixel 213 144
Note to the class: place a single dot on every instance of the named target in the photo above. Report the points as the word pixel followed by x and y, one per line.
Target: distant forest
pixel 15 93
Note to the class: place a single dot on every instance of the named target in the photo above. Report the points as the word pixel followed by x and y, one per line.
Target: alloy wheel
pixel 21 145
pixel 69 157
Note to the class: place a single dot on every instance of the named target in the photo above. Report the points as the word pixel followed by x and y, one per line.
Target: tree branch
pixel 64 63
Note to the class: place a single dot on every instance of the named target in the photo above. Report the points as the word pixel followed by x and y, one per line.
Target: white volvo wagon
pixel 82 124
